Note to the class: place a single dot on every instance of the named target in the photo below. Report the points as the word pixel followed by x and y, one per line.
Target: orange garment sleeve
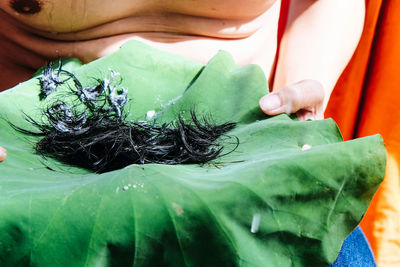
pixel 366 101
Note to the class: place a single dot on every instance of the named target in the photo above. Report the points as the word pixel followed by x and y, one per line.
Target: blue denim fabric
pixel 355 251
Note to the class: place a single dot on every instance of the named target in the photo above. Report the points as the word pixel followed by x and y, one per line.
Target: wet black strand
pixel 100 138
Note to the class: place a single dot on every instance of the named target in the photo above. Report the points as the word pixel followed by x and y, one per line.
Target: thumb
pixel 307 94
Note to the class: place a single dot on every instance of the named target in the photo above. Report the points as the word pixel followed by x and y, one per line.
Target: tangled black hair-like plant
pixel 94 133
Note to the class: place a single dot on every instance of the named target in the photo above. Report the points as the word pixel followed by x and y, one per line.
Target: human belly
pixel 250 41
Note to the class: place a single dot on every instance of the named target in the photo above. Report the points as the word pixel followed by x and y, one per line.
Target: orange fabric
pixel 365 102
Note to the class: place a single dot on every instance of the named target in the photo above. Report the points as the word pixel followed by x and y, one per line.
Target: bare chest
pixel 77 15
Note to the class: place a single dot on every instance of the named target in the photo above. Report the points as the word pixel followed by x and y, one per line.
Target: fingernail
pixel 270 102
pixel 3 154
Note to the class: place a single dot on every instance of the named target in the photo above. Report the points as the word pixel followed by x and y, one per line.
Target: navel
pixel 27 7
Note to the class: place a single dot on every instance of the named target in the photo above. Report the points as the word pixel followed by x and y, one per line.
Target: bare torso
pixel 33 32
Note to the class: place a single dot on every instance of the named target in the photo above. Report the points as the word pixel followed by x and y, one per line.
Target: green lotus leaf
pixel 268 203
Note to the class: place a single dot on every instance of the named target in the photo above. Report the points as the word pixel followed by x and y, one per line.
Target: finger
pixel 304 115
pixel 292 98
pixel 3 153
pixel 314 113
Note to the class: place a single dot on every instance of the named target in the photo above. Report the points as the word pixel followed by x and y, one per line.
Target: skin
pixel 318 42
pixel 319 39
pixel 3 154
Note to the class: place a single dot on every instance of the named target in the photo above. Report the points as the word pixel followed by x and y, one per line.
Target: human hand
pixel 3 153
pixel 305 98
